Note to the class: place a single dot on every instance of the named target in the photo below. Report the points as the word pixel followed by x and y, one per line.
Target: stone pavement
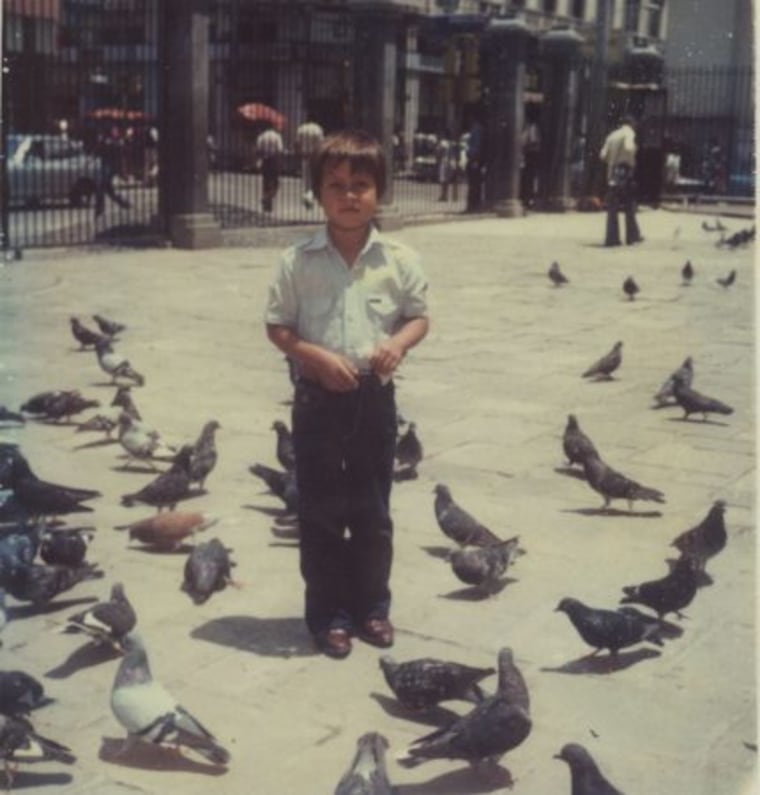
pixel 490 390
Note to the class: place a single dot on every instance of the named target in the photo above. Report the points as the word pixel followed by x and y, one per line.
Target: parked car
pixel 45 168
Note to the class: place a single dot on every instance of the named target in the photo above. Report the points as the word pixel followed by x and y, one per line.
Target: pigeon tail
pixel 646 493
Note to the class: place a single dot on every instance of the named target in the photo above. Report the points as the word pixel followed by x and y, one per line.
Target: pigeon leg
pixel 130 741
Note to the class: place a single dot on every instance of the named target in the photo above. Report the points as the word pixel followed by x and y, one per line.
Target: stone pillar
pixel 375 74
pixel 505 44
pixel 560 48
pixel 183 176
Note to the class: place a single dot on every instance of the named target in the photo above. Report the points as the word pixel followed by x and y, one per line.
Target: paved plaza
pixel 489 390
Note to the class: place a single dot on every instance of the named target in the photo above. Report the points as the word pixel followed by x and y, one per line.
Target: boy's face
pixel 349 199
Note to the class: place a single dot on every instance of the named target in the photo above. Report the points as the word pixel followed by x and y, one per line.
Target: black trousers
pixel 621 195
pixel 345 445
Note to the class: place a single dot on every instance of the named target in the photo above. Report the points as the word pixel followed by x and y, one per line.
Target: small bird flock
pixel 43 558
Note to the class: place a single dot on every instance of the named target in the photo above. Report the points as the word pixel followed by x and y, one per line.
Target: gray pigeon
pixel 630 288
pixel 106 622
pixel 84 336
pixel 368 774
pixel 168 488
pixel 109 327
pixel 669 594
pixel 511 681
pixel 685 373
pixel 20 744
pixel 66 546
pixel 281 484
pixel 423 683
pixel 604 367
pixel 693 402
pixel 204 456
pixel 115 364
pixel 705 540
pixel 409 450
pixel 555 274
pixel 40 584
pixel 575 444
pixel 727 281
pixel 687 273
pixel 485 734
pixel 610 629
pixel 285 453
pixel 484 566
pixel 20 693
pixel 585 776
pixel 149 713
pixel 457 524
pixel 613 485
pixel 208 568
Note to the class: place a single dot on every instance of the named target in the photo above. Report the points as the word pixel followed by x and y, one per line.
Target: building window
pixel 578 9
pixel 631 17
pixel 654 23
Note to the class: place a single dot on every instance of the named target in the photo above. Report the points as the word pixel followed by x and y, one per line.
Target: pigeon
pixel 109 327
pixel 575 444
pixel 687 273
pixel 285 452
pixel 705 540
pixel 86 337
pixel 168 488
pixel 20 693
pixel 423 683
pixel 40 584
pixel 367 774
pixel 281 484
pixel 630 288
pixel 140 442
pixel 123 399
pixel 203 456
pixel 13 417
pixel 485 734
pixel 150 713
pixel 116 365
pixel 484 566
pixel 693 402
pixel 207 569
pixel 20 743
pixel 457 524
pixel 610 362
pixel 718 227
pixel 669 594
pixel 685 373
pixel 613 485
pixel 511 682
pixel 555 274
pixel 167 530
pixel 66 546
pixel 107 420
pixel 409 450
pixel 67 404
pixel 610 629
pixel 585 776
pixel 727 281
pixel 106 622
pixel 38 404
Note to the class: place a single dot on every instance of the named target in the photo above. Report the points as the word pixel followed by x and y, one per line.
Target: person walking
pixel 619 153
pixel 309 136
pixel 108 149
pixel 530 144
pixel 346 305
pixel 269 149
pixel 475 166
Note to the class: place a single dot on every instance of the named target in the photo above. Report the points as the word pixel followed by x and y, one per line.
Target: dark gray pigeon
pixel 66 405
pixel 575 444
pixel 604 367
pixel 168 488
pixel 208 568
pixel 727 281
pixel 687 273
pixel 610 629
pixel 151 714
pixel 281 484
pixel 66 546
pixel 409 450
pixel 285 453
pixel 484 566
pixel 423 683
pixel 40 584
pixel 38 403
pixel 669 594
pixel 204 456
pixel 585 776
pixel 106 622
pixel 705 540
pixel 86 337
pixel 20 744
pixel 20 693
pixel 109 327
pixel 485 734
pixel 693 402
pixel 511 681
pixel 367 774
pixel 457 524
pixel 613 485
pixel 685 373
pixel 630 288
pixel 555 274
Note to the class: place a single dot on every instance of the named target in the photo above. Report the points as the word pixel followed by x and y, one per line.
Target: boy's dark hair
pixel 361 150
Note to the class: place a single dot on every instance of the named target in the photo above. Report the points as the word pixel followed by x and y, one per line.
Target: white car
pixel 44 168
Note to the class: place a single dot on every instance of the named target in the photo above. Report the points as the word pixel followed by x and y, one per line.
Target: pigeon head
pixel 442 490
pixel 279 426
pixel 572 422
pixel 103 345
pixel 718 508
pixel 387 663
pixel 211 426
pixel 688 363
pixel 370 754
pixel 574 754
pixel 567 605
pixel 117 593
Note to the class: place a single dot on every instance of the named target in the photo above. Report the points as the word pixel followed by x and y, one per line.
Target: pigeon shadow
pixel 269 637
pixel 475 593
pixel 157 549
pixel 138 470
pixel 570 472
pixel 442 553
pixel 26 611
pixel 287 533
pixel 25 779
pixel 604 664
pixel 95 443
pixel 147 756
pixel 86 656
pixel 614 512
pixel 268 510
pixel 400 475
pixel 461 782
pixel 435 716
pixel 700 422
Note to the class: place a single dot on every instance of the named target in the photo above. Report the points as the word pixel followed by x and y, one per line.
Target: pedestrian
pixel 475 166
pixel 346 305
pixel 619 153
pixel 269 149
pixel 108 149
pixel 530 142
pixel 309 136
pixel 714 168
pixel 444 164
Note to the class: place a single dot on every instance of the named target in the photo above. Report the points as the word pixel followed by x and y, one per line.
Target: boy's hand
pixel 336 373
pixel 387 357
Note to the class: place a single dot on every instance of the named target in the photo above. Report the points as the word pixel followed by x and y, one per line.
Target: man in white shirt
pixel 269 148
pixel 309 136
pixel 619 153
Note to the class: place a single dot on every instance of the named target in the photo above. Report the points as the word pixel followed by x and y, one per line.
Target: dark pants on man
pixel 345 445
pixel 621 195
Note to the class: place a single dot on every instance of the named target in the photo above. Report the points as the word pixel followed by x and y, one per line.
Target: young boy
pixel 346 306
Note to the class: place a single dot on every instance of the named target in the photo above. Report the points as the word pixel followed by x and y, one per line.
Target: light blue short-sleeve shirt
pixel 347 310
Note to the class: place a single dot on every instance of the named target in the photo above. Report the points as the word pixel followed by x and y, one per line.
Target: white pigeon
pixel 150 713
pixel 142 442
pixel 115 364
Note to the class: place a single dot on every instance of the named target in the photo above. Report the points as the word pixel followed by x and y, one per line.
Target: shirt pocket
pixel 381 309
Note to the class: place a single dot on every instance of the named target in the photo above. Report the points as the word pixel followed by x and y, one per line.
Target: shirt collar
pixel 320 240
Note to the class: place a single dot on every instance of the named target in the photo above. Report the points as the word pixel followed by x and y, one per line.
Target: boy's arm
pixel 389 353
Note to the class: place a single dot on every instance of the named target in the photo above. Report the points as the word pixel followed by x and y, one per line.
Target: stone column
pixel 375 74
pixel 183 175
pixel 560 48
pixel 505 44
